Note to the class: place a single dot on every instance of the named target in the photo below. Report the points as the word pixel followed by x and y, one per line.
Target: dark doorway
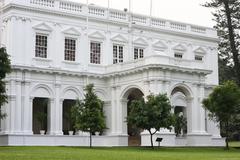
pixel 68 124
pixel 134 133
pixel 40 114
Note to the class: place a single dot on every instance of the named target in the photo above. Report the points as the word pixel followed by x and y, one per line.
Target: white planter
pixel 42 132
pixel 70 133
pixel 97 133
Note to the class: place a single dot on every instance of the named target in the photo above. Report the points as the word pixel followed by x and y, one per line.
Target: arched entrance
pixel 42 103
pixel 40 115
pixel 69 98
pixel 179 97
pixel 68 124
pixel 134 133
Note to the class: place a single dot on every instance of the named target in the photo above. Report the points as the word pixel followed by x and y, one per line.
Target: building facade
pixel 58 47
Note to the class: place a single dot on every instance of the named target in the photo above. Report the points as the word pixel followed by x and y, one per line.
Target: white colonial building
pixel 57 47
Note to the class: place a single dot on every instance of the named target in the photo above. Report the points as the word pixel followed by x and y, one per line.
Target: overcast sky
pixel 189 11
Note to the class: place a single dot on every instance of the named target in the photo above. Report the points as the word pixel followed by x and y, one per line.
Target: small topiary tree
pixel 88 113
pixel 154 113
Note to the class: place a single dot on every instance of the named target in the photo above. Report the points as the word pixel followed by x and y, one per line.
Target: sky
pixel 188 11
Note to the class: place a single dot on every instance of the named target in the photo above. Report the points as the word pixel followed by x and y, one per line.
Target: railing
pixel 139 19
pixel 96 11
pixel 178 26
pixel 115 15
pixel 198 29
pixel 70 6
pixel 158 22
pixel 156 60
pixel 47 3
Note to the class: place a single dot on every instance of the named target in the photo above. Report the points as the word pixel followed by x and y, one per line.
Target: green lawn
pixel 125 153
pixel 234 144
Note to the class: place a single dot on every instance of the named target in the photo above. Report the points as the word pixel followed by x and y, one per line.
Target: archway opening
pixel 134 133
pixel 40 115
pixel 179 98
pixel 68 124
pixel 181 121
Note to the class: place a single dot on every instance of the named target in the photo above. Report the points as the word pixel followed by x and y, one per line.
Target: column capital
pixel 107 103
pixel 52 100
pixel 57 85
pixel 124 100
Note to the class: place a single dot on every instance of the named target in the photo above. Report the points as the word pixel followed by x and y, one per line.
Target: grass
pixel 234 144
pixel 118 153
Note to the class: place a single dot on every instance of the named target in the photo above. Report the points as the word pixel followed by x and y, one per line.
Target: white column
pixel 114 111
pixel 189 115
pixel 160 87
pixel 202 117
pixel 12 104
pixel 51 125
pixel 107 112
pixel 18 108
pixel 153 87
pixel 26 110
pixel 60 112
pixel 195 110
pixel 30 116
pixel 58 108
pixel 6 121
pixel 123 114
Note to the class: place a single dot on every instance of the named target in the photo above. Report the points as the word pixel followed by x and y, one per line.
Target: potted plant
pixel 42 118
pixel 180 124
pixel 69 118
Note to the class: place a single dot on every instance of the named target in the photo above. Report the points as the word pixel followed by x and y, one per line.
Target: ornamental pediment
pixel 140 41
pixel 97 35
pixel 43 27
pixel 160 45
pixel 119 38
pixel 200 50
pixel 180 47
pixel 72 31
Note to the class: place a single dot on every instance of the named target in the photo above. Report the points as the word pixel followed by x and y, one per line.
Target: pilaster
pixel 51 119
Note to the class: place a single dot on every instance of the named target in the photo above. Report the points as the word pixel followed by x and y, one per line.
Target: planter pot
pixel 97 133
pixel 42 132
pixel 70 133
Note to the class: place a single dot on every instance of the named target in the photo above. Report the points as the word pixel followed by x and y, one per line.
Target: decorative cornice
pixel 140 68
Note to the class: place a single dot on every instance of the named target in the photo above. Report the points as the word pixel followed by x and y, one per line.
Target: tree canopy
pixel 88 113
pixel 5 68
pixel 227 15
pixel 153 113
pixel 224 105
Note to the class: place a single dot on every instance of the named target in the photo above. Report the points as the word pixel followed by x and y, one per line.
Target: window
pixel 95 54
pixel 198 58
pixel 117 54
pixel 41 46
pixel 178 55
pixel 138 53
pixel 70 49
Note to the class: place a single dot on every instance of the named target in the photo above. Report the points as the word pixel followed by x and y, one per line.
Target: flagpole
pixel 87 14
pixel 130 5
pixel 108 14
pixel 151 8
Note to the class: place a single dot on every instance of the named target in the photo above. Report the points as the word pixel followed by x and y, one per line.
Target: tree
pixel 155 113
pixel 227 16
pixel 88 113
pixel 224 105
pixel 5 68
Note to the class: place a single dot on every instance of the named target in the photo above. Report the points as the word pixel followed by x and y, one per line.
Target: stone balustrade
pixel 114 15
